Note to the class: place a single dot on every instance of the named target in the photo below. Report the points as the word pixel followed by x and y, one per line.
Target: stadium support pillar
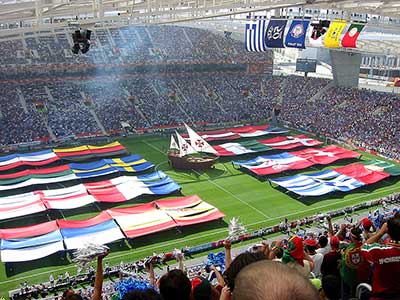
pixel 345 68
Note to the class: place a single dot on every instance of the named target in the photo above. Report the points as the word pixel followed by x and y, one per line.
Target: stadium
pixel 211 150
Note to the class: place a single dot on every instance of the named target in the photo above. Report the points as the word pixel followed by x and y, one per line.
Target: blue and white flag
pixel 274 34
pixel 254 36
pixel 296 35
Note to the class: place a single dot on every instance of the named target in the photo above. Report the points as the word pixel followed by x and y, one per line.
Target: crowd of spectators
pixel 72 106
pixel 134 44
pixel 350 115
pixel 313 258
pixel 363 117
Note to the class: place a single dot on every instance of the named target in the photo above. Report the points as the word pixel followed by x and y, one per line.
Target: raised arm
pixel 228 253
pixel 379 234
pixel 98 282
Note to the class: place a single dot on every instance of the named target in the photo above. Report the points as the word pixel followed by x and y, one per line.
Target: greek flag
pixel 254 37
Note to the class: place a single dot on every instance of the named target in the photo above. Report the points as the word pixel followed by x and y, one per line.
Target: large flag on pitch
pixel 274 34
pixel 142 219
pixel 39 158
pixel 240 132
pixel 332 38
pixel 280 142
pixel 101 230
pixel 272 164
pixel 318 32
pixel 254 36
pixel 296 35
pixel 350 38
pixel 342 179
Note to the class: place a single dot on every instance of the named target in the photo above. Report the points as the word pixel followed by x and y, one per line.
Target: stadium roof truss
pixel 24 17
pixel 40 12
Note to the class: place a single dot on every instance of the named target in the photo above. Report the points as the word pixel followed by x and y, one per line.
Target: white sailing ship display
pixel 196 154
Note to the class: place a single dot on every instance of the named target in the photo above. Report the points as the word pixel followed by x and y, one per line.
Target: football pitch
pixel 233 192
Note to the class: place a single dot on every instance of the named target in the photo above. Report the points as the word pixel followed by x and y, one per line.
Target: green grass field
pixel 233 192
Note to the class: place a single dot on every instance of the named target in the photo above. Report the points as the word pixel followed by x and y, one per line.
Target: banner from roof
pixel 332 38
pixel 318 33
pixel 274 33
pixel 39 158
pixel 296 36
pixel 342 179
pixel 240 132
pixel 272 164
pixel 141 220
pixel 254 36
pixel 252 146
pixel 350 38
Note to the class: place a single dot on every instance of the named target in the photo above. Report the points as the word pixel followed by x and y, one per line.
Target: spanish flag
pixel 332 38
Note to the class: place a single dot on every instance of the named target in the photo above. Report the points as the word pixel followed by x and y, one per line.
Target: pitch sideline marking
pixel 220 187
pixel 189 239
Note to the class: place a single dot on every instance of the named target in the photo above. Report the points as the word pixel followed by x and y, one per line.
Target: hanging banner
pixel 318 32
pixel 274 34
pixel 332 38
pixel 296 36
pixel 254 35
pixel 350 38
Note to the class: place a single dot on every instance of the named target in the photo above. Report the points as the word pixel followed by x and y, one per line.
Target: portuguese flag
pixel 350 38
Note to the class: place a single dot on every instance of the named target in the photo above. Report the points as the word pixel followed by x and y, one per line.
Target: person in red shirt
pixel 331 261
pixel 386 260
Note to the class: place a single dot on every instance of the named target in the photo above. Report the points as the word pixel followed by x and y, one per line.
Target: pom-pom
pixel 177 254
pixel 129 284
pixel 235 229
pixel 84 256
pixel 216 260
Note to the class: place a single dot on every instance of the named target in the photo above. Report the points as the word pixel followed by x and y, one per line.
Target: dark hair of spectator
pixel 356 233
pixel 175 285
pixel 241 261
pixel 323 241
pixel 393 225
pixel 331 287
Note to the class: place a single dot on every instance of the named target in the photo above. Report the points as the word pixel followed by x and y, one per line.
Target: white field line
pixel 220 187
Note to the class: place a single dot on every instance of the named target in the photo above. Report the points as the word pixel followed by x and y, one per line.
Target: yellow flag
pixel 332 37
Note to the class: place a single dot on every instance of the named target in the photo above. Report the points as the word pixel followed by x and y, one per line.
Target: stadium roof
pixel 42 11
pixel 23 16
